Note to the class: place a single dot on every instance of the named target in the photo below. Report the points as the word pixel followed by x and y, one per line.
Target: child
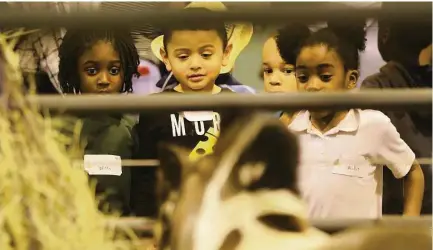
pixel 340 176
pixel 278 74
pixel 238 37
pixel 406 47
pixel 103 62
pixel 194 53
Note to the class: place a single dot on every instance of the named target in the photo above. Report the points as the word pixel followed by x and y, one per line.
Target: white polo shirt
pixel 337 178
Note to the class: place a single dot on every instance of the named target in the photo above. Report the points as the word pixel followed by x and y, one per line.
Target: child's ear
pixel 352 79
pixel 165 59
pixel 226 54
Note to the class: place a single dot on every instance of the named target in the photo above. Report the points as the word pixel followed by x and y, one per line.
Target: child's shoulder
pixel 227 90
pixel 167 91
pixel 370 117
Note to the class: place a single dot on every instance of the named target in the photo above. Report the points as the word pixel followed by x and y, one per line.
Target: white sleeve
pixel 395 151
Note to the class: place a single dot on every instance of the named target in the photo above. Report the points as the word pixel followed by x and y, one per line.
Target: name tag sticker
pixel 350 170
pixel 353 165
pixel 103 165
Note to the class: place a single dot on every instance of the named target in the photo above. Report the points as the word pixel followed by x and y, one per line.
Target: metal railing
pixel 300 12
pixel 144 226
pixel 368 99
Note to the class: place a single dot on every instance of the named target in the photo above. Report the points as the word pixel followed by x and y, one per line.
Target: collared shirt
pixel 339 173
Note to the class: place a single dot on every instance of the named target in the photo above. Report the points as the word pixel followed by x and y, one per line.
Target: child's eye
pixel 267 71
pixel 114 71
pixel 302 78
pixel 326 78
pixel 91 71
pixel 206 55
pixel 182 57
pixel 288 71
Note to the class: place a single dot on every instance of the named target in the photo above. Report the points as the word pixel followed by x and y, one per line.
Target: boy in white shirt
pixel 339 173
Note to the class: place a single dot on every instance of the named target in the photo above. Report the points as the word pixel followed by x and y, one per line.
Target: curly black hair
pixel 289 38
pixel 347 39
pixel 77 41
pixel 405 36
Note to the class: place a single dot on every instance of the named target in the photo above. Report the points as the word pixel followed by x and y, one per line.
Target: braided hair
pixel 76 42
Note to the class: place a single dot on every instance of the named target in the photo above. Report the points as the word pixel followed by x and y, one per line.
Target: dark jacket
pixel 111 135
pixel 154 129
pixel 415 128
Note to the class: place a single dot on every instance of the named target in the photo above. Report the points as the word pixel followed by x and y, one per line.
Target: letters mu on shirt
pixel 199 122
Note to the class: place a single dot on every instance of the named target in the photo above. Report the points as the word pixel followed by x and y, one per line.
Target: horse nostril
pixel 282 222
pixel 232 240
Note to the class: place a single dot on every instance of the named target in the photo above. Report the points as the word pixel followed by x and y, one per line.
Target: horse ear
pixel 257 165
pixel 173 163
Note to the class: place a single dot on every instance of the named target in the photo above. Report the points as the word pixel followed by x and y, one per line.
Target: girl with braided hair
pixel 103 62
pixel 97 61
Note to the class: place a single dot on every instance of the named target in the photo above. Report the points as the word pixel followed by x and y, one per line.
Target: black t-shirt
pixel 194 131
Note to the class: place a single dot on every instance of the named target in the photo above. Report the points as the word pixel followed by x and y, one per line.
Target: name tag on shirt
pixel 350 170
pixel 103 164
pixel 355 166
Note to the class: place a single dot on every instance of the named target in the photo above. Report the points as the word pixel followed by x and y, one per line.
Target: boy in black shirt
pixel 195 54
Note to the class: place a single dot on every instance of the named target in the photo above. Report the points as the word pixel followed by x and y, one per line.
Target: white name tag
pixel 354 165
pixel 350 170
pixel 103 164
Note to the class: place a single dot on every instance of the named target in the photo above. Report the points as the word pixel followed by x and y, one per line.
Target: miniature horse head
pixel 243 196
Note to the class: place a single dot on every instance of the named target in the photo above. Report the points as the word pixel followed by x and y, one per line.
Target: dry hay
pixel 45 202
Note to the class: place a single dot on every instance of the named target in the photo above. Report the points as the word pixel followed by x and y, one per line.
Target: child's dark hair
pixel 196 25
pixel 407 35
pixel 289 38
pixel 347 40
pixel 76 42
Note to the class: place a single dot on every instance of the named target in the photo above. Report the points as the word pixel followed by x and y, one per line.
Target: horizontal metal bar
pixel 145 225
pixel 334 226
pixel 155 163
pixel 369 99
pixel 305 12
pixel 140 163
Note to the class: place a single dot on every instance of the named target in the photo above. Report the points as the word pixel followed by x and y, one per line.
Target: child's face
pixel 278 76
pixel 195 57
pixel 321 69
pixel 100 69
